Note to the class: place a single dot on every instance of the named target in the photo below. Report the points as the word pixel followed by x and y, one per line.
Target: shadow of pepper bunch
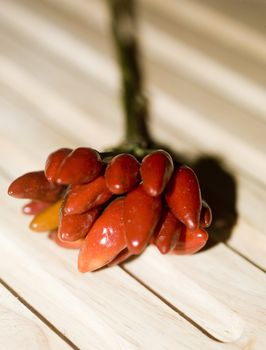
pixel 219 188
pixel 112 207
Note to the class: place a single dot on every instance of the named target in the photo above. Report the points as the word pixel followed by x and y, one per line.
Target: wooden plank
pixel 187 296
pixel 19 327
pixel 186 54
pixel 212 20
pixel 233 281
pixel 251 14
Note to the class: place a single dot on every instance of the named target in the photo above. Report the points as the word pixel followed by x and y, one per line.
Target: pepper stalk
pixel 134 101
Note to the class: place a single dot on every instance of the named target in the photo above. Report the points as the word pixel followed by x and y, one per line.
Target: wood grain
pixel 237 284
pixel 19 327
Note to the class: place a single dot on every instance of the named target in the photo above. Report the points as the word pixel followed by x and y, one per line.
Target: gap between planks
pixel 245 257
pixel 166 302
pixel 38 314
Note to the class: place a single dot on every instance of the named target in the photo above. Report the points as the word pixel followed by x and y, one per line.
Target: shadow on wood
pixel 219 189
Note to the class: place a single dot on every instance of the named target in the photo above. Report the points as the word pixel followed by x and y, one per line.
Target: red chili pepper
pixel 64 244
pixel 190 241
pixel 74 227
pixel 183 196
pixel 141 215
pixel 205 215
pixel 81 166
pixel 122 173
pixel 167 232
pixel 105 240
pixel 35 186
pixel 53 163
pixel 156 170
pixel 82 198
pixel 35 207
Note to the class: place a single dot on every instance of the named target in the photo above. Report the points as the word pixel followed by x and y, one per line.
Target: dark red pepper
pixel 141 215
pixel 122 173
pixel 81 166
pixel 105 240
pixel 82 198
pixel 156 170
pixel 74 227
pixel 35 186
pixel 183 196
pixel 190 241
pixel 167 232
pixel 54 162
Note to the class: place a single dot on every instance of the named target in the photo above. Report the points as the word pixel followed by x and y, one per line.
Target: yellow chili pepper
pixel 48 219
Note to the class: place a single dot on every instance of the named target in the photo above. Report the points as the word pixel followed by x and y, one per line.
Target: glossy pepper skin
pixel 190 241
pixel 205 215
pixel 81 166
pixel 35 207
pixel 141 214
pixel 184 198
pixel 34 185
pixel 74 227
pixel 167 232
pixel 53 235
pixel 82 198
pixel 105 240
pixel 156 170
pixel 48 219
pixel 53 163
pixel 122 173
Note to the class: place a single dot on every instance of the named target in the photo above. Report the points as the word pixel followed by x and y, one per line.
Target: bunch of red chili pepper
pixel 112 209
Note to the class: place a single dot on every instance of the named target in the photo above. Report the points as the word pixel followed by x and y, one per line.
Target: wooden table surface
pixel 205 66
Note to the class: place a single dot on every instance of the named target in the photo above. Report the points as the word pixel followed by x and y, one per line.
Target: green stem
pixel 134 101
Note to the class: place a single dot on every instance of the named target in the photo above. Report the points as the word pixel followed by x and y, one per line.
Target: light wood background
pixel 205 66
